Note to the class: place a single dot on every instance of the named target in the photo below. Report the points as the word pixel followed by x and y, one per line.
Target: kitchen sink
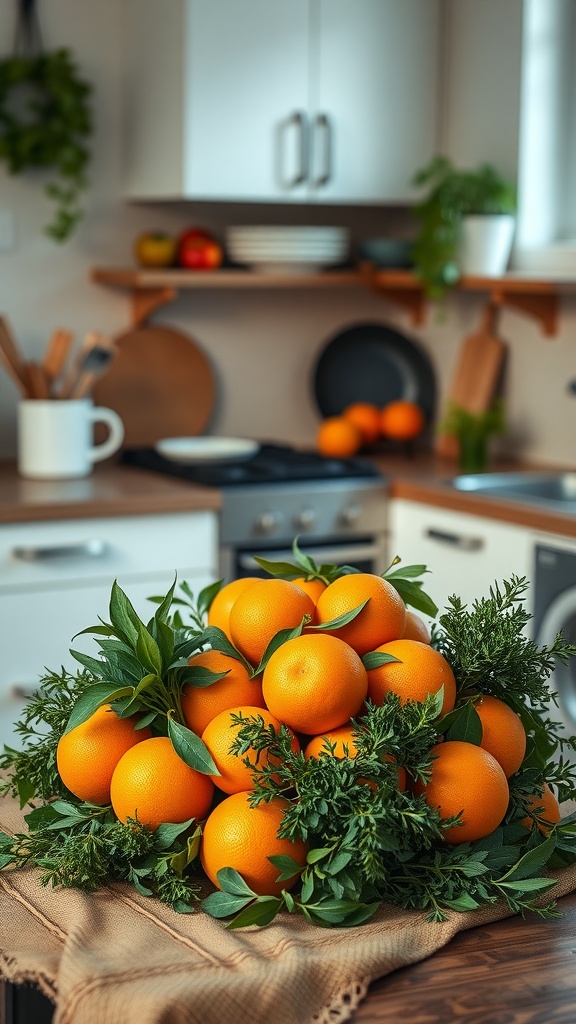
pixel 555 491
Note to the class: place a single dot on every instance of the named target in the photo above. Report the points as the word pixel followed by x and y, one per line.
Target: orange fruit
pixel 419 671
pixel 415 628
pixel 366 417
pixel 344 746
pixel 262 610
pixel 219 610
pixel 402 420
pixel 219 735
pixel 313 587
pixel 200 704
pixel 153 784
pixel 314 682
pixel 87 755
pixel 242 837
pixel 382 619
pixel 466 778
pixel 503 734
pixel 337 438
pixel 546 817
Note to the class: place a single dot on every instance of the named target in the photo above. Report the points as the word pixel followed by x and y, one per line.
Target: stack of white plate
pixel 291 249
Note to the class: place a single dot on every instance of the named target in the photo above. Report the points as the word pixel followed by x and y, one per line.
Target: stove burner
pixel 271 464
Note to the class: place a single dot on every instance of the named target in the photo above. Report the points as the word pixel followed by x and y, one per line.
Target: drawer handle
pixel 456 540
pixel 90 548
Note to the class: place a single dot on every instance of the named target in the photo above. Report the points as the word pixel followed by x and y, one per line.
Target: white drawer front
pixel 36 630
pixel 52 553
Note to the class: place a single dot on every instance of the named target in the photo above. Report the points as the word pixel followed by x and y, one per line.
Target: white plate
pixel 206 449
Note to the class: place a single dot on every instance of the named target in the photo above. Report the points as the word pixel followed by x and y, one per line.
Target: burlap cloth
pixel 114 957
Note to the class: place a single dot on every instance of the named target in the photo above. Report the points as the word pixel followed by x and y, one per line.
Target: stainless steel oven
pixel 337 508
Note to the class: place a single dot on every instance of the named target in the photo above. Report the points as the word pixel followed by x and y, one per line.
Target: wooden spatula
pixel 477 374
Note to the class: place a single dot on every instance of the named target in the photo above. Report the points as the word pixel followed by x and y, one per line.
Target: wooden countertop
pixel 113 489
pixel 511 972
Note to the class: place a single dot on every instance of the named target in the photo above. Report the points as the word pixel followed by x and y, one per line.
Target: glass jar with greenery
pixel 473 432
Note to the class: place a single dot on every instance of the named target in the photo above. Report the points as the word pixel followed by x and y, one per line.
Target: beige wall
pixel 263 344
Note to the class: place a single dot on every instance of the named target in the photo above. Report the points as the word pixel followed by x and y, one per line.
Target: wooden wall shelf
pixel 152 289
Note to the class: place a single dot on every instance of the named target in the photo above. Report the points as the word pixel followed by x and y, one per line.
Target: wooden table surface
pixel 512 972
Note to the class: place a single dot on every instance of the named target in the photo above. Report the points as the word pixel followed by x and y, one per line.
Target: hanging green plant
pixel 45 121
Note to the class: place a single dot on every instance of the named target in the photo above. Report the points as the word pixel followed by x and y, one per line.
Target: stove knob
pixel 305 519
pixel 350 514
pixel 267 522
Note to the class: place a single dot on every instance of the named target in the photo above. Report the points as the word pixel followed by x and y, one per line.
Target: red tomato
pixel 198 250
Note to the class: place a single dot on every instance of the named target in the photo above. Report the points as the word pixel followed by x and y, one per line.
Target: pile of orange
pixel 313 685
pixel 362 423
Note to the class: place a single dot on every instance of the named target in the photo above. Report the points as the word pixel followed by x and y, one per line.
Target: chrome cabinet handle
pixel 94 548
pixel 323 128
pixel 298 121
pixel 456 540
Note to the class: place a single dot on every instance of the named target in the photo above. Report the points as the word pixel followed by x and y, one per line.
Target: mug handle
pixel 116 433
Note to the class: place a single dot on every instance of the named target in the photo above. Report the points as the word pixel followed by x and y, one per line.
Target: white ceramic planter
pixel 485 244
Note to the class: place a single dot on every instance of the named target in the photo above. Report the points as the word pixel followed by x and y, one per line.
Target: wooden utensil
pixel 477 374
pixel 12 360
pixel 161 384
pixel 56 354
pixel 39 387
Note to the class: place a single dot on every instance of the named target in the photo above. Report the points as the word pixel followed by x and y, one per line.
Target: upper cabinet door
pixel 246 99
pixel 280 100
pixel 375 94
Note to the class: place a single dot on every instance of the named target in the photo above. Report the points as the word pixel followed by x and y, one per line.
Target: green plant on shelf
pixel 452 195
pixel 473 432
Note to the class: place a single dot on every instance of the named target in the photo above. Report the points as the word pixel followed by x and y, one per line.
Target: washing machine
pixel 554 611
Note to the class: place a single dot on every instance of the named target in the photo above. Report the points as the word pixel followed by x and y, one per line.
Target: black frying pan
pixel 372 362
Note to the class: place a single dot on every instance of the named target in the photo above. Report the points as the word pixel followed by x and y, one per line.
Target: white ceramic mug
pixel 55 437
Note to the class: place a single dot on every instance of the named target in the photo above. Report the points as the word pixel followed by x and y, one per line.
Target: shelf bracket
pixel 542 307
pixel 146 301
pixel 398 292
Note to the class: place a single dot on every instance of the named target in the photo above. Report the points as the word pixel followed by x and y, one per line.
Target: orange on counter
pixel 200 704
pixel 382 618
pixel 219 735
pixel 338 438
pixel 503 734
pixel 366 417
pixel 262 610
pixel 419 671
pixel 402 420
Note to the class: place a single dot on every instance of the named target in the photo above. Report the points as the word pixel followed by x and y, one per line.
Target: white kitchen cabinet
pixel 465 553
pixel 56 578
pixel 280 100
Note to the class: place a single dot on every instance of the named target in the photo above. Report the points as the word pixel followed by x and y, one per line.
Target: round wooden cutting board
pixel 161 384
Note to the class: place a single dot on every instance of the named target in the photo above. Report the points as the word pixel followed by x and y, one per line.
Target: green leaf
pixel 374 659
pixel 287 866
pixel 412 594
pixel 277 640
pixel 26 790
pixel 93 698
pixel 315 855
pixel 231 881
pixel 190 748
pixel 261 913
pixel 148 651
pixel 94 665
pixel 530 884
pixel 532 861
pixel 405 572
pixel 462 903
pixel 466 726
pixel 282 570
pixel 168 832
pixel 217 639
pixel 199 675
pixel 341 620
pixel 123 616
pixel 163 609
pixel 207 595
pixel 224 904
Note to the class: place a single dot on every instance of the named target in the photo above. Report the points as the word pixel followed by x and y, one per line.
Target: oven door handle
pixel 339 555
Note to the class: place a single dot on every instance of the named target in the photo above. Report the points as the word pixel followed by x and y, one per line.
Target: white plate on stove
pixel 206 449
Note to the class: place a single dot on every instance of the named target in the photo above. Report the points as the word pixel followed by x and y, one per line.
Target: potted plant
pixel 473 432
pixel 466 224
